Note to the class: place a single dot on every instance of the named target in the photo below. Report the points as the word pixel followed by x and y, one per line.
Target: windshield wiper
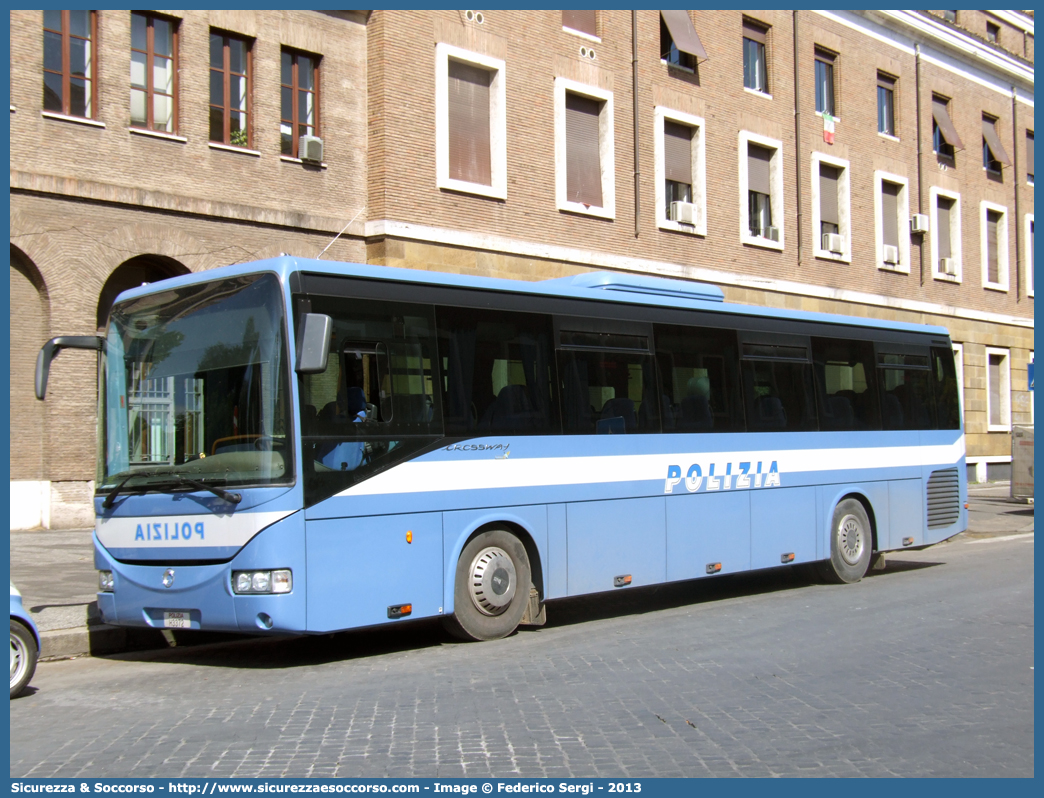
pixel 177 479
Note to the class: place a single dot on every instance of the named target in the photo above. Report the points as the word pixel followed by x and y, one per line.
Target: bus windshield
pixel 194 387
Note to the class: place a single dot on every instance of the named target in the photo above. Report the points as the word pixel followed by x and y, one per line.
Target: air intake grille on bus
pixel 944 498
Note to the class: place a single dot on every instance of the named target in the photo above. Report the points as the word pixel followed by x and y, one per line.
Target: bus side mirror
pixel 313 343
pixel 50 350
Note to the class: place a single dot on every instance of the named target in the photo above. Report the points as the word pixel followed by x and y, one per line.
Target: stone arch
pixel 132 273
pixel 30 327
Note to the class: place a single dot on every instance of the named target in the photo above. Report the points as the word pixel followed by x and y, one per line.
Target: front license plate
pixel 176 620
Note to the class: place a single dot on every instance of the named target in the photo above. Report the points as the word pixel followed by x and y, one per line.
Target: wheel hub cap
pixel 492 583
pixel 851 539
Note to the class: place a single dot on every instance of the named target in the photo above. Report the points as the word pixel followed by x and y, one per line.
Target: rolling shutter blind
pixel 885 82
pixel 1029 153
pixel 992 260
pixel 943 236
pixel 755 33
pixel 828 193
pixel 583 20
pixel 677 152
pixel 583 166
pixel 758 159
pixel 890 213
pixel 469 156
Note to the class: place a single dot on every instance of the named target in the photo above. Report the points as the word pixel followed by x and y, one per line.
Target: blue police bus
pixel 299 446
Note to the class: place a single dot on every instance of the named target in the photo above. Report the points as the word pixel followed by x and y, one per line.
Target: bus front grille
pixel 944 498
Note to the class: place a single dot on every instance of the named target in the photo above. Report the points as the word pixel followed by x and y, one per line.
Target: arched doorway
pixel 131 274
pixel 29 329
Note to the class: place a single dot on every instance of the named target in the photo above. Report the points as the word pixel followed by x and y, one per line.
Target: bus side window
pixel 846 384
pixel 947 401
pixel 608 392
pixel 698 368
pixel 906 390
pixel 777 383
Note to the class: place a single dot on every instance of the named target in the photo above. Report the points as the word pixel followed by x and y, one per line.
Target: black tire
pixel 851 544
pixel 23 657
pixel 491 589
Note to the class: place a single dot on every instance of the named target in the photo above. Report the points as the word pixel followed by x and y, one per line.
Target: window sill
pixel 679 227
pixel 678 68
pixel 946 278
pixel 155 134
pixel 1001 287
pixel 763 243
pixel 895 268
pixel 998 427
pixel 288 159
pixel 587 210
pixel 887 136
pixel 758 93
pixel 836 257
pixel 477 189
pixel 581 34
pixel 214 145
pixel 76 120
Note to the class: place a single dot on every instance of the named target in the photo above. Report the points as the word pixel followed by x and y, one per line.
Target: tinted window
pixel 777 390
pixel 845 384
pixel 698 369
pixel 945 389
pixel 906 391
pixel 606 392
pixel 496 372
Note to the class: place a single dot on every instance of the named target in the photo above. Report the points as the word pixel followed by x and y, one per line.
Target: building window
pixel 584 149
pixel 892 221
pixel 299 100
pixel 761 190
pixel 825 61
pixel 945 231
pixel 998 390
pixel 993 153
pixel 230 89
pixel 945 141
pixel 992 32
pixel 69 64
pixel 1029 157
pixel 154 72
pixel 958 365
pixel 581 21
pixel 993 220
pixel 1029 254
pixel 755 65
pixel 680 45
pixel 680 172
pixel 831 209
pixel 885 104
pixel 470 130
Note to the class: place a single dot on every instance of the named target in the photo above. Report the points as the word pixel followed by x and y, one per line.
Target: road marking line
pixel 998 540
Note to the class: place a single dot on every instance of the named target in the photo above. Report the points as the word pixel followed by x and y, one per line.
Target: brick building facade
pixel 831 117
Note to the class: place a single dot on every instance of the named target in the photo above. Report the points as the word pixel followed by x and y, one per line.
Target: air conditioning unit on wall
pixel 310 148
pixel 891 254
pixel 948 266
pixel 832 242
pixel 684 212
pixel 919 223
pixel 771 233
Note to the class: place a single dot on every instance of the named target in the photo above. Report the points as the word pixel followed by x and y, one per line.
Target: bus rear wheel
pixel 851 544
pixel 491 589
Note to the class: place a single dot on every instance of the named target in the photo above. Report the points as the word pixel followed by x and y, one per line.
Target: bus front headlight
pixel 262 582
pixel 105 583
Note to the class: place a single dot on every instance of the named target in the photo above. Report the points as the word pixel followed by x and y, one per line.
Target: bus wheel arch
pixel 853 540
pixel 495 572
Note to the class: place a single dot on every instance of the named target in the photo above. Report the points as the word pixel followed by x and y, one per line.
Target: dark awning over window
pixel 989 132
pixel 942 119
pixel 683 33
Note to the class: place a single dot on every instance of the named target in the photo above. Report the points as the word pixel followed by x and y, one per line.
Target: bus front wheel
pixel 851 544
pixel 491 588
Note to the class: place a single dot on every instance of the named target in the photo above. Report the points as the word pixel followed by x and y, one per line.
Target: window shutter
pixel 469 151
pixel 989 132
pixel 583 20
pixel 758 159
pixel 583 165
pixel 828 176
pixel 992 261
pixel 755 33
pixel 677 152
pixel 890 213
pixel 942 118
pixel 943 235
